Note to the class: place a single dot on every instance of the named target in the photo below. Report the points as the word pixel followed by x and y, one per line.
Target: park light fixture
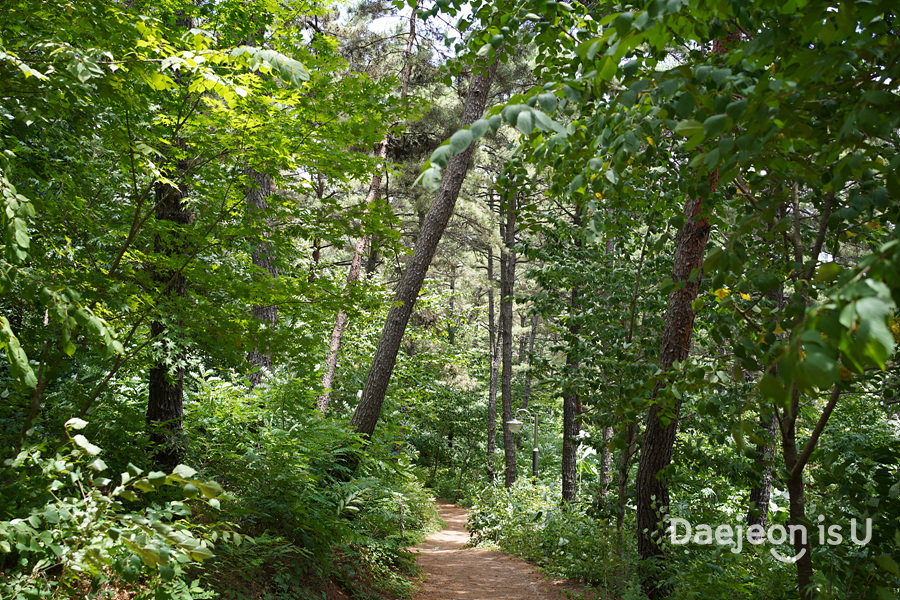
pixel 515 426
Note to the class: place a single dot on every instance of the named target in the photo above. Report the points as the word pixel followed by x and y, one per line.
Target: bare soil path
pixel 453 572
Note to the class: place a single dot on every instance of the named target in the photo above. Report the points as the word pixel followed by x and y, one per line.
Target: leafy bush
pixel 568 541
pixel 77 534
pixel 316 507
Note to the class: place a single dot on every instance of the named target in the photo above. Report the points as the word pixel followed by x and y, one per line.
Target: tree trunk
pixel 797 502
pixel 451 324
pixel 523 340
pixel 165 400
pixel 495 368
pixel 758 512
pixel 340 321
pixel 605 464
pixel 258 190
pixel 507 286
pixel 624 469
pixel 571 405
pixel 571 426
pixel 526 388
pixel 369 408
pixel 659 437
pixel 165 403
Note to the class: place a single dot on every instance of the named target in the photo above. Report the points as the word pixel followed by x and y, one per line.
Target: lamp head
pixel 515 426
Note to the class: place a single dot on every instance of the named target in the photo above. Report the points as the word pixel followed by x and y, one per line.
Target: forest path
pixel 453 572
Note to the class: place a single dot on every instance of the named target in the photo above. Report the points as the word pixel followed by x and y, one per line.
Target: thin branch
pixel 814 438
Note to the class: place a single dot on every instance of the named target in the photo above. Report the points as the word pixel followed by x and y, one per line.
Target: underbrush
pixel 286 505
pixel 572 542
pixel 580 542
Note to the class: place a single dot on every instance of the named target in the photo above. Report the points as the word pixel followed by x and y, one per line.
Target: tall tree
pixel 258 188
pixel 165 401
pixel 508 213
pixel 571 404
pixel 494 342
pixel 340 321
pixel 659 435
pixel 367 412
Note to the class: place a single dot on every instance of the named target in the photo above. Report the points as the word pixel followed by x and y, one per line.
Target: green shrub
pixel 76 533
pixel 567 541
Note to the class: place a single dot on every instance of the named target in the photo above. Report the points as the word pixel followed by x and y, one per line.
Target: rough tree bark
pixel 526 387
pixel 659 436
pixel 495 368
pixel 507 286
pixel 258 190
pixel 369 408
pixel 165 402
pixel 758 510
pixel 605 464
pixel 571 404
pixel 340 321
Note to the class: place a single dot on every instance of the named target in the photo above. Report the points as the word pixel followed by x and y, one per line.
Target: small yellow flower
pixel 745 296
pixel 722 293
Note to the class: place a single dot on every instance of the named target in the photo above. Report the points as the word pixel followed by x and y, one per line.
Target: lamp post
pixel 515 426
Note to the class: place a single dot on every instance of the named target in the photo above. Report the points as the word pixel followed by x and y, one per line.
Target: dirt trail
pixel 453 572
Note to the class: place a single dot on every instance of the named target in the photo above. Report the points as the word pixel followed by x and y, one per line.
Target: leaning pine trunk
pixel 369 408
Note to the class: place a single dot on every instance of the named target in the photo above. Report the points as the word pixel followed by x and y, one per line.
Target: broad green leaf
pixel 689 127
pixel 183 471
pixel 460 140
pixel 76 423
pixel 715 125
pixel 88 447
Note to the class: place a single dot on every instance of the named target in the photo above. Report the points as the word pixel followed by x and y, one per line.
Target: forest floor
pixel 451 571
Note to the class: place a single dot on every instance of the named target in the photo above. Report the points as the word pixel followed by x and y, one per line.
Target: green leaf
pixel 84 444
pixel 430 179
pixel 460 140
pixel 441 156
pixel 97 465
pixel 827 272
pixel 623 23
pixel 548 102
pixel 478 128
pixel 888 564
pixel 209 489
pixel 183 471
pixel 609 68
pixel 736 109
pixel 200 554
pixel 715 125
pixel 689 127
pixel 525 122
pixel 76 423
